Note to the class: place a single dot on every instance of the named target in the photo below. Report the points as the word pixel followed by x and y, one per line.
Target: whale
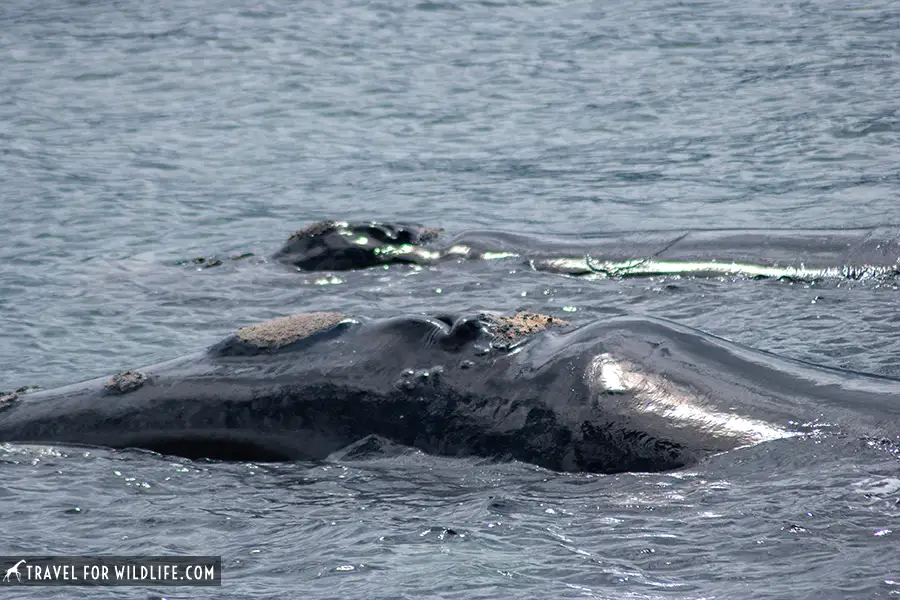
pixel 793 254
pixel 622 394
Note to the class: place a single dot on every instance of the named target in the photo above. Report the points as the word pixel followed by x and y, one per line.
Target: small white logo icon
pixel 14 570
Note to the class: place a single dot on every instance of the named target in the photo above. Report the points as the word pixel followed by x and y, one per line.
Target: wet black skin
pixel 845 253
pixel 340 246
pixel 438 384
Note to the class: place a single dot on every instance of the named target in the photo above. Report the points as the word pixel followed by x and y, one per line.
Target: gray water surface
pixel 136 135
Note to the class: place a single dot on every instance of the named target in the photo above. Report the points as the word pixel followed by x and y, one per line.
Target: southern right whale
pixel 623 394
pixel 805 254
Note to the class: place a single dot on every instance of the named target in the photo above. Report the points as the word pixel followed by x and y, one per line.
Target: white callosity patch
pixel 652 393
pixel 287 330
pixel 125 382
pixel 512 330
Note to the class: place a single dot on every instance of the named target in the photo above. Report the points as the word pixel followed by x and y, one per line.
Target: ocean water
pixel 137 136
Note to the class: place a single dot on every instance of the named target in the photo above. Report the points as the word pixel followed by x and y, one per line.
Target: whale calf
pixel 623 394
pixel 802 254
